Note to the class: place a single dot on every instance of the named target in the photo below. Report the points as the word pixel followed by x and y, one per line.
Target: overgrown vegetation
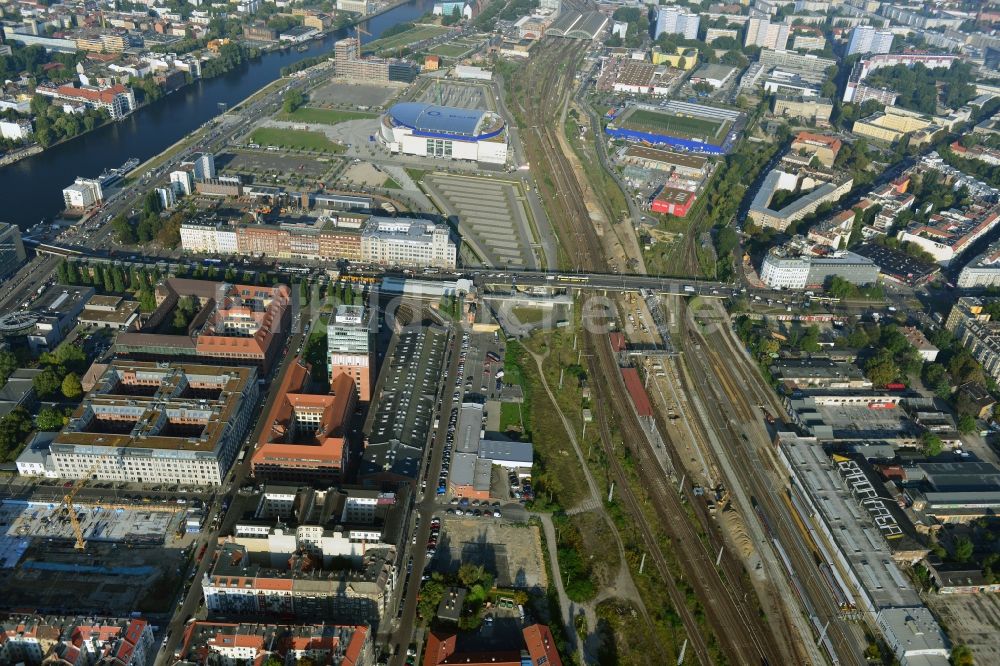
pixel 149 224
pixel 918 85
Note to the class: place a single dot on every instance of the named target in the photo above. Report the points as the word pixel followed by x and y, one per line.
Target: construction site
pixel 90 556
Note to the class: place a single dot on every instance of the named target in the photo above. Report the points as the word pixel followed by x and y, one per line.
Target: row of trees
pixel 113 279
pixel 722 197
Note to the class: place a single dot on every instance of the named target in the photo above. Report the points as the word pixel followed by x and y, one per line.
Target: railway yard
pixel 724 411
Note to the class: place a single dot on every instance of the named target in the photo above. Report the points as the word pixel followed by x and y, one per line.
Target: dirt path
pixel 623 585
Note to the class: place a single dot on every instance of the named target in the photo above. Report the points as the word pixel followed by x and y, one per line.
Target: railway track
pixel 729 383
pixel 742 637
pixel 544 85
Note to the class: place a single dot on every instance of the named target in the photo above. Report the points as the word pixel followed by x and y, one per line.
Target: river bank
pixel 32 187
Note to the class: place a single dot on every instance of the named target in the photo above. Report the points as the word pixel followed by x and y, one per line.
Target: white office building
pixel 204 166
pixel 408 242
pixel 866 39
pixel 676 21
pixel 182 182
pixel 781 270
pixel 83 193
pixel 350 349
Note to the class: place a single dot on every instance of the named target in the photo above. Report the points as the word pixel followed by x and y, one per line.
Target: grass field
pixel 529 315
pixel 645 120
pixel 308 114
pixel 449 50
pixel 417 34
pixel 296 139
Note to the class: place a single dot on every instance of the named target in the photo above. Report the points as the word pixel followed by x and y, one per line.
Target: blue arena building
pixel 413 128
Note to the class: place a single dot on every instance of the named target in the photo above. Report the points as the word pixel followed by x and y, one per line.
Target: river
pixel 32 188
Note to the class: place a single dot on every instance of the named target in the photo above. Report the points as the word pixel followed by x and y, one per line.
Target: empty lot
pixel 512 553
pixel 353 95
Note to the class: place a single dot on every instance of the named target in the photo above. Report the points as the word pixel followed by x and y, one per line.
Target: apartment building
pixel 866 39
pixel 101 42
pixel 147 422
pixel 329 525
pixel 240 584
pixel 117 100
pixel 674 20
pixel 949 233
pixel 818 187
pixel 973 326
pixel 80 641
pixel 761 32
pixel 83 194
pixel 252 643
pixel 983 271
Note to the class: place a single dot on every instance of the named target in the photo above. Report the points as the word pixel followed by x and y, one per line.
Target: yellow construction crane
pixel 71 510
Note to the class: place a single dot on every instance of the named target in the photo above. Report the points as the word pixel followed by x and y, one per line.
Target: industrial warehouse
pixel 428 130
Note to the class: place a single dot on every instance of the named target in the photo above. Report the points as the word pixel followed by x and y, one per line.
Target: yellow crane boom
pixel 71 510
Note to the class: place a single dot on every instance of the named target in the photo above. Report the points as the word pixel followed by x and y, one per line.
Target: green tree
pixel 46 383
pixel 430 597
pixel 963 549
pixel 935 377
pixel 930 444
pixel 961 655
pixel 14 428
pixel 8 364
pixel 123 230
pixel 50 419
pixel 294 99
pixel 71 387
pixel 810 341
pixel 470 574
pixel 966 424
pixel 881 368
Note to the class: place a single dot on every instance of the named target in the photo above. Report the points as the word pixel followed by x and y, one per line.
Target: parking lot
pixel 459 94
pixel 354 96
pixel 493 218
pixel 971 620
pixel 261 163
